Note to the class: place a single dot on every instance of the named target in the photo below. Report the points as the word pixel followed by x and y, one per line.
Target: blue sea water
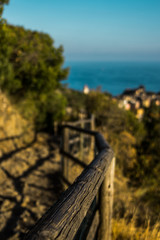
pixel 114 77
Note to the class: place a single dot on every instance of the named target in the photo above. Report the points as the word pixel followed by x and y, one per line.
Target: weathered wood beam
pixel 106 204
pixel 62 221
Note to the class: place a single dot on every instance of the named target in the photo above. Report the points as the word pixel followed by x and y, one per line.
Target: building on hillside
pixel 86 89
pixel 127 106
pixel 140 91
pixel 140 113
pixel 147 102
pixel 137 99
pixel 157 101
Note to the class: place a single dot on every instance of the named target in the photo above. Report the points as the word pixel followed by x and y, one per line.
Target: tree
pixel 98 103
pixel 31 70
pixel 150 150
pixel 75 103
pixel 5 66
pixel 2 2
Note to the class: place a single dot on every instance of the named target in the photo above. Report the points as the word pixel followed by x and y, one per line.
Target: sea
pixel 113 77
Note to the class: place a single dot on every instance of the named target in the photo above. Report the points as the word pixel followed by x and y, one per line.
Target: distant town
pixel 136 99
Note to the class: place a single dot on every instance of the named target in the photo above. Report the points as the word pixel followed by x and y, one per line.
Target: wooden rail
pixel 68 217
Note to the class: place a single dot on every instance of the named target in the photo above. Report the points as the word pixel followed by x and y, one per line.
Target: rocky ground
pixel 30 179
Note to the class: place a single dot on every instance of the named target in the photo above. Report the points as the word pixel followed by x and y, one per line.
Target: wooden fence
pixel 84 210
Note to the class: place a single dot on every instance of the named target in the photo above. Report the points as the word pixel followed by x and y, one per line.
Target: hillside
pixel 29 172
pixel 30 163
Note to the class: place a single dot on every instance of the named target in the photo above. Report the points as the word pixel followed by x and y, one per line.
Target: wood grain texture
pixel 106 203
pixel 64 218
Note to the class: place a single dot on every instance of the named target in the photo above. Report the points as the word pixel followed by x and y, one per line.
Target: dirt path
pixel 29 182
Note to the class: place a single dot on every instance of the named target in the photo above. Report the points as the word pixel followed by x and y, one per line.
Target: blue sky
pixel 94 29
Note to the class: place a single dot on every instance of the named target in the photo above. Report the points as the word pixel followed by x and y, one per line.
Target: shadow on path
pixel 38 178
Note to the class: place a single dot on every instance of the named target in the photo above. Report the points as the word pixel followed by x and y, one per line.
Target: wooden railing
pixel 73 216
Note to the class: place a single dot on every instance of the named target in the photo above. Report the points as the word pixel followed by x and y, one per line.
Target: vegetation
pixel 2 2
pixel 30 74
pixel 129 231
pixel 31 70
pixel 136 146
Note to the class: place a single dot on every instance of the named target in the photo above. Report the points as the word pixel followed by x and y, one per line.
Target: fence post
pixel 81 141
pixel 65 144
pixel 106 204
pixel 92 122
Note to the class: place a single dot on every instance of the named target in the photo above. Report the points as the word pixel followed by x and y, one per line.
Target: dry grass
pixel 132 219
pixel 123 231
